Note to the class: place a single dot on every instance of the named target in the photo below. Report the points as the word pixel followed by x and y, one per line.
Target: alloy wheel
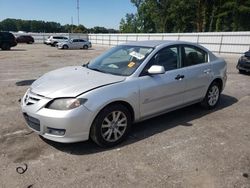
pixel 114 126
pixel 213 95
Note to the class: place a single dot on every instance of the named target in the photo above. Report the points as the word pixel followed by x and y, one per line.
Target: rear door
pixel 81 43
pixel 75 43
pixel 163 91
pixel 197 72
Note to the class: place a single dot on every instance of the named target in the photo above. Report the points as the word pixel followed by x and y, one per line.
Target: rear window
pixel 193 55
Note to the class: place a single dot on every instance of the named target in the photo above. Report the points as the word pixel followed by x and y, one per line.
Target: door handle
pixel 179 77
pixel 207 71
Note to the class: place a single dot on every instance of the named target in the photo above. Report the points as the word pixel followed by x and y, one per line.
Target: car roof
pixel 24 35
pixel 154 43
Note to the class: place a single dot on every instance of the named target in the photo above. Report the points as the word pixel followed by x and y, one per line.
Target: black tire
pixel 85 47
pixel 212 96
pixel 5 46
pixel 242 71
pixel 65 46
pixel 104 130
pixel 54 44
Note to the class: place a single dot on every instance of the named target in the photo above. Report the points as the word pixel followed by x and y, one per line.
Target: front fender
pixel 126 91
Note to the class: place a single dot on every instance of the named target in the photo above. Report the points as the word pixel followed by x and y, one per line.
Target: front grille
pixel 32 122
pixel 246 65
pixel 32 98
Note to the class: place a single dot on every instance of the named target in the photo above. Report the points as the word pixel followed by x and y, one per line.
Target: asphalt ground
pixel 190 147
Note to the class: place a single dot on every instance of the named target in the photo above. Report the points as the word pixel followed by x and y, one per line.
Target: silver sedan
pixel 129 83
pixel 74 44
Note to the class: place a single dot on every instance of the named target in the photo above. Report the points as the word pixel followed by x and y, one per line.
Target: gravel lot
pixel 190 147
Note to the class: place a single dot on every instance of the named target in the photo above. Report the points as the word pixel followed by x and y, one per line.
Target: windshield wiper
pixel 86 65
pixel 95 69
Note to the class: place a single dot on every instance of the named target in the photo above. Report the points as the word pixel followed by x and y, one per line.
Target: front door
pixel 163 91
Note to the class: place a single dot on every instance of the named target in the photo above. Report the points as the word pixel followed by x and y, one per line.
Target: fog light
pixel 59 132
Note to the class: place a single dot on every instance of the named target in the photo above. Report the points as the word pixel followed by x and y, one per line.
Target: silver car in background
pixel 129 83
pixel 74 44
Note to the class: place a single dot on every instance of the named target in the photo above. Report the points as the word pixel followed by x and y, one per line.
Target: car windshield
pixel 121 60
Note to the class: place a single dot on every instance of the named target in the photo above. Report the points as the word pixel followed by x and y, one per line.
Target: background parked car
pixel 25 39
pixel 75 44
pixel 7 40
pixel 53 40
pixel 244 63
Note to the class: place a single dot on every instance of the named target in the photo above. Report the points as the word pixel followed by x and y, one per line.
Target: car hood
pixel 72 81
pixel 247 54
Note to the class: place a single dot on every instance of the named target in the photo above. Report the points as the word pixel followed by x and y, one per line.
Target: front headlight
pixel 65 103
pixel 243 59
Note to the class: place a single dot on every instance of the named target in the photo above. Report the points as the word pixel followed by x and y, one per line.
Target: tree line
pixel 167 16
pixel 48 27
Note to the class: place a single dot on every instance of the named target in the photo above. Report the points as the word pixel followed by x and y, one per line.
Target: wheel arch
pixel 219 81
pixel 121 102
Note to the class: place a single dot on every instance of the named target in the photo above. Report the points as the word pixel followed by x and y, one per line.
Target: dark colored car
pixel 7 40
pixel 25 39
pixel 244 62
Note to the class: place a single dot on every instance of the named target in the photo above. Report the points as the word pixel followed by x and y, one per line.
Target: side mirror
pixel 156 69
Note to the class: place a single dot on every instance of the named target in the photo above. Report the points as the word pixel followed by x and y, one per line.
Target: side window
pixel 167 57
pixel 75 40
pixel 192 56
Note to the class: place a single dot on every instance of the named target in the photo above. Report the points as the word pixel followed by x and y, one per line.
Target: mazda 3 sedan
pixel 74 44
pixel 127 84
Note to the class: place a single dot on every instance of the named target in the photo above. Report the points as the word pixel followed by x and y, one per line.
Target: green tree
pixel 187 16
pixel 129 24
pixel 80 29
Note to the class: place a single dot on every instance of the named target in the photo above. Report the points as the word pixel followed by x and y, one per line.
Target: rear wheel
pixel 212 97
pixel 5 46
pixel 111 125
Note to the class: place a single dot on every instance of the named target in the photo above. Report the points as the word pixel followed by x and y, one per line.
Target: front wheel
pixel 65 47
pixel 212 97
pixel 111 125
pixel 85 47
pixel 5 46
pixel 241 71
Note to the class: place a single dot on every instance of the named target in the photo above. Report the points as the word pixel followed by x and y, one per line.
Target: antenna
pixel 77 7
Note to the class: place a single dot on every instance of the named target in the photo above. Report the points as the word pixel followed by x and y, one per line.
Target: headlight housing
pixel 243 59
pixel 65 103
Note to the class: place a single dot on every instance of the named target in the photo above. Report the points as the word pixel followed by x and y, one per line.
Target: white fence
pixel 41 37
pixel 218 42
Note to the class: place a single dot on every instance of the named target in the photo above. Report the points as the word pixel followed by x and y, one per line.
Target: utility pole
pixel 77 7
pixel 71 24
